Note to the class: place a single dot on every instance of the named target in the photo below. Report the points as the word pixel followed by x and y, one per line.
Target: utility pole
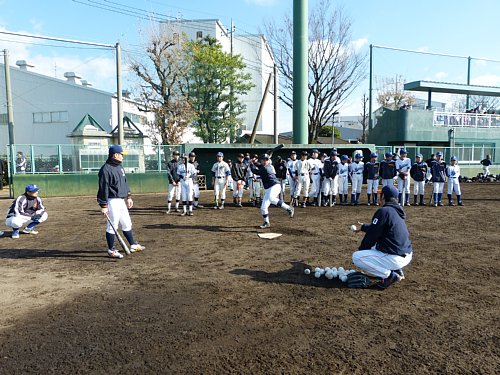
pixel 276 135
pixel 300 67
pixel 370 95
pixel 8 89
pixel 119 100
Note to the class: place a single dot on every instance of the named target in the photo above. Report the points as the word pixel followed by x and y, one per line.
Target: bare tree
pixel 335 66
pixel 391 93
pixel 163 82
pixel 364 117
pixel 488 104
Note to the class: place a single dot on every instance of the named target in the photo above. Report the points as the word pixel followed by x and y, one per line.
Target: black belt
pixel 314 174
pixel 303 174
pixel 357 173
pixel 220 176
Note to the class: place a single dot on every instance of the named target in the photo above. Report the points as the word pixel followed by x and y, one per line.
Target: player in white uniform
pixel 356 170
pixel 302 171
pixel 186 172
pixel 220 177
pixel 196 186
pixel 453 173
pixel 343 179
pixel 291 175
pixel 403 166
pixel 316 165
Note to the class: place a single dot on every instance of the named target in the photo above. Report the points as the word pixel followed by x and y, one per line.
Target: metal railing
pixel 466 120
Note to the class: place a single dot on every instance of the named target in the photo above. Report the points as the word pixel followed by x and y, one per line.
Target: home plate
pixel 268 236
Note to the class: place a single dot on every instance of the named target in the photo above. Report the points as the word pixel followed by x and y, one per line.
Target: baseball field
pixel 208 296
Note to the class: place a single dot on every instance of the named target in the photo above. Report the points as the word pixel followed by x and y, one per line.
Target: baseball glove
pixel 402 176
pixel 359 280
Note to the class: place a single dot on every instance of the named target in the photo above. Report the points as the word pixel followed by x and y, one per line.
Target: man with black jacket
pixel 238 172
pixel 174 186
pixel 386 247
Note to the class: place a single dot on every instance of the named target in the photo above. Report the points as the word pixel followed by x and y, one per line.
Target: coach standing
pixel 115 200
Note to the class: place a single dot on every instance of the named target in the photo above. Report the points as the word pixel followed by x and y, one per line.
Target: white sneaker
pixel 15 233
pixel 113 253
pixel 168 211
pixel 30 231
pixel 136 247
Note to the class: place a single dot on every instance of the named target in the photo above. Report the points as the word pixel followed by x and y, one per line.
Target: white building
pixel 257 55
pixel 47 109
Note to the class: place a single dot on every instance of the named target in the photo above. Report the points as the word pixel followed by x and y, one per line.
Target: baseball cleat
pixel 30 231
pixel 15 234
pixel 136 247
pixel 460 203
pixel 440 203
pixel 190 213
pixel 400 273
pixel 184 213
pixel 451 204
pixel 387 282
pixel 177 209
pixel 113 253
pixel 168 212
pixel 221 207
pixel 265 225
pixel 291 212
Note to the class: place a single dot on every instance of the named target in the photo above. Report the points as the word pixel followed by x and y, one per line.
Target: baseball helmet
pixel 264 157
pixel 333 153
pixel 344 157
pixel 31 188
pixel 374 155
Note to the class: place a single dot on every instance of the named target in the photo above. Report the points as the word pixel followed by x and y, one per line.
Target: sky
pixel 455 27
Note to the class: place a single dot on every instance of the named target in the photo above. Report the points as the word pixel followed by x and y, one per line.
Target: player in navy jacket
pixel 386 247
pixel 418 172
pixel 438 171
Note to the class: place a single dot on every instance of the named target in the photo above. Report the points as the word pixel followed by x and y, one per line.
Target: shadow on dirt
pixel 79 255
pixel 293 275
pixel 208 228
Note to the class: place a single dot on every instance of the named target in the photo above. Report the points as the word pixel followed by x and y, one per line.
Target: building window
pixel 136 119
pixel 50 117
pixel 199 35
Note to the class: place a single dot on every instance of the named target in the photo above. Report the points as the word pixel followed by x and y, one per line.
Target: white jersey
pixel 316 165
pixel 343 169
pixel 403 165
pixel 291 167
pixel 186 174
pixel 357 167
pixel 303 167
pixel 221 169
pixel 453 172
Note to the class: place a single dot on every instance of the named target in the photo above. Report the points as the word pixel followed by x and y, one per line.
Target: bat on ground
pixel 120 238
pixel 278 147
pixel 331 193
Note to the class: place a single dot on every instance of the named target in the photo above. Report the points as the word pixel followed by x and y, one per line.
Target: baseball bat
pixel 278 147
pixel 331 193
pixel 120 238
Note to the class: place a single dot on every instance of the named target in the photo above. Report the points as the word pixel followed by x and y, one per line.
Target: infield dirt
pixel 208 296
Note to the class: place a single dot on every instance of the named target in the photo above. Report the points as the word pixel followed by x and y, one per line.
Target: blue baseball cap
pixel 264 157
pixel 374 155
pixel 358 156
pixel 454 158
pixel 315 151
pixel 439 153
pixel 344 157
pixel 390 192
pixel 117 149
pixel 220 154
pixel 388 154
pixel 333 153
pixel 402 151
pixel 31 188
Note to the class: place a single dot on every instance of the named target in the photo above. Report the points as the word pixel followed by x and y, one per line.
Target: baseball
pixel 317 269
pixel 317 275
pixel 329 274
pixel 341 269
pixel 353 227
pixel 307 271
pixel 335 273
pixel 343 278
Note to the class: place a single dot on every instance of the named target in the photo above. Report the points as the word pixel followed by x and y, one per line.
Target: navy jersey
pixel 372 169
pixel 112 182
pixel 418 171
pixel 486 162
pixel 280 168
pixel 330 168
pixel 172 171
pixel 387 169
pixel 238 171
pixel 438 171
pixel 266 173
pixel 387 231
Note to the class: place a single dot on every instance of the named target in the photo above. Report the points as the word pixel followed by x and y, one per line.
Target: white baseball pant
pixel 174 190
pixel 453 186
pixel 315 186
pixel 271 197
pixel 220 188
pixel 438 187
pixel 372 186
pixel 387 182
pixel 356 183
pixel 292 184
pixel 238 188
pixel 18 221
pixel 118 214
pixel 404 184
pixel 187 190
pixel 330 185
pixel 418 187
pixel 302 185
pixel 379 264
pixel 343 184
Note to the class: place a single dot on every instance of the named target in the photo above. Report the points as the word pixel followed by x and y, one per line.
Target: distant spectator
pixel 55 169
pixel 21 163
pixel 1 174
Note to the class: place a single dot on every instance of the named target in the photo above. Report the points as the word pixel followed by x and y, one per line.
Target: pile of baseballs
pixel 330 273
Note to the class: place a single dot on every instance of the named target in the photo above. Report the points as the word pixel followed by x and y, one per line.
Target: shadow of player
pixel 293 275
pixel 78 255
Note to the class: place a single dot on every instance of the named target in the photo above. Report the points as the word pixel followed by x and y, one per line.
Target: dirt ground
pixel 209 297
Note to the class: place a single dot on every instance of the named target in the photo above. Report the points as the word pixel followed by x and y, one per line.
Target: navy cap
pixel 31 188
pixel 176 153
pixel 315 151
pixel 117 149
pixel 419 156
pixel 374 155
pixel 402 151
pixel 293 153
pixel 388 154
pixel 304 153
pixel 358 156
pixel 264 157
pixel 454 158
pixel 344 157
pixel 333 153
pixel 390 192
pixel 192 154
pixel 439 153
pixel 220 154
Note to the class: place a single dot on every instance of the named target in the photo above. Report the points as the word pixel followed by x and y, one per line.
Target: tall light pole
pixel 300 65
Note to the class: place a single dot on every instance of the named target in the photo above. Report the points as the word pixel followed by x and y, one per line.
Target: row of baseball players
pixel 311 176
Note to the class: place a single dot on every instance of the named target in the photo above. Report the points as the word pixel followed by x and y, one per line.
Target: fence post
pixel 59 154
pixel 32 152
pixel 158 155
